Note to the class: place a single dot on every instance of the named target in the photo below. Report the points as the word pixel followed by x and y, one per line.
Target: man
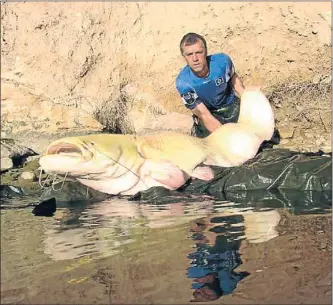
pixel 207 85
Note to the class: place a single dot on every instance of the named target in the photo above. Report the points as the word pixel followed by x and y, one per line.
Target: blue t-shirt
pixel 215 90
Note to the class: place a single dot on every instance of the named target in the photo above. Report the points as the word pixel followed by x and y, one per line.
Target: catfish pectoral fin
pixel 203 173
pixel 164 172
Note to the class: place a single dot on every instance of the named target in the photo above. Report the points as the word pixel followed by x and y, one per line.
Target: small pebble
pixel 28 176
pixel 323 245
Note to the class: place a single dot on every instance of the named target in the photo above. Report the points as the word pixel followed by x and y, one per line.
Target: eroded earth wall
pixel 84 66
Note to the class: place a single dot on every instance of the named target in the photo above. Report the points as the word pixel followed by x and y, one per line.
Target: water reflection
pixel 101 229
pixel 297 202
pixel 126 230
pixel 217 241
pixel 216 229
pixel 216 255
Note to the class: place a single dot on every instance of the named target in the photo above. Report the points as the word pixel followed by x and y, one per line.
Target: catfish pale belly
pixel 127 164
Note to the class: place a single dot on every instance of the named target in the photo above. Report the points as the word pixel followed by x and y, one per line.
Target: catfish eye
pixel 92 143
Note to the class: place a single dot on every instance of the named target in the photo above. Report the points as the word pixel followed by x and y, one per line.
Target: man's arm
pixel 237 84
pixel 210 122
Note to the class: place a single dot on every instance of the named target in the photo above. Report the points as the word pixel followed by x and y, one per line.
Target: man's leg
pixel 229 113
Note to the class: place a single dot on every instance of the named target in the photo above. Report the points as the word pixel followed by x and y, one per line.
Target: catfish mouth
pixel 64 149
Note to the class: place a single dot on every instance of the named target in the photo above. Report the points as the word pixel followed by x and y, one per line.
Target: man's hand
pixel 210 122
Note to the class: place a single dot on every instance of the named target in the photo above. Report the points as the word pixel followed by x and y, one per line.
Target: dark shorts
pixel 226 114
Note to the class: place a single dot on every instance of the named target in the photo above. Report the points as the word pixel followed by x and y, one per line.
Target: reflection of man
pixel 207 86
pixel 216 257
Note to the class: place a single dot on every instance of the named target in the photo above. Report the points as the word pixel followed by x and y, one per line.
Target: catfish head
pixel 90 156
pixel 101 161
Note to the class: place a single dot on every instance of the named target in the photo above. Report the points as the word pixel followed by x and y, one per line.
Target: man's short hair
pixel 190 39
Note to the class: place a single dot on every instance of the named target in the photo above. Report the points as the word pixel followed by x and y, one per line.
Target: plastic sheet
pixel 275 175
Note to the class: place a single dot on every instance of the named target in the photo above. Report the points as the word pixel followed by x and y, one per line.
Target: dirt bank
pixel 77 66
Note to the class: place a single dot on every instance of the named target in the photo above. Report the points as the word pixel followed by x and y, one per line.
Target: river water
pixel 125 252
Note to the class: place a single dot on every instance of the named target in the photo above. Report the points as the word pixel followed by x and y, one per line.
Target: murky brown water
pixel 118 251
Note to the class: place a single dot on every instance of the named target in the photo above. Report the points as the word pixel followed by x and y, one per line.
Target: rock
pixel 306 149
pixel 284 141
pixel 60 214
pixel 72 192
pixel 299 133
pixel 315 31
pixel 286 132
pixel 5 151
pixel 318 142
pixel 13 149
pixel 45 208
pixel 6 163
pixel 323 245
pixel 309 135
pixel 326 149
pixel 316 79
pixel 28 176
pixel 324 35
pixel 32 158
pixel 292 147
pixel 9 191
pixel 299 140
pixel 322 79
pixel 326 79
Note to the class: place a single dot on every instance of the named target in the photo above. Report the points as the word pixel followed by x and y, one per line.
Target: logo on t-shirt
pixel 219 81
pixel 189 98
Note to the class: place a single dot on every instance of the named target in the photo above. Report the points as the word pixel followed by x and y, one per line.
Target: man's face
pixel 195 56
